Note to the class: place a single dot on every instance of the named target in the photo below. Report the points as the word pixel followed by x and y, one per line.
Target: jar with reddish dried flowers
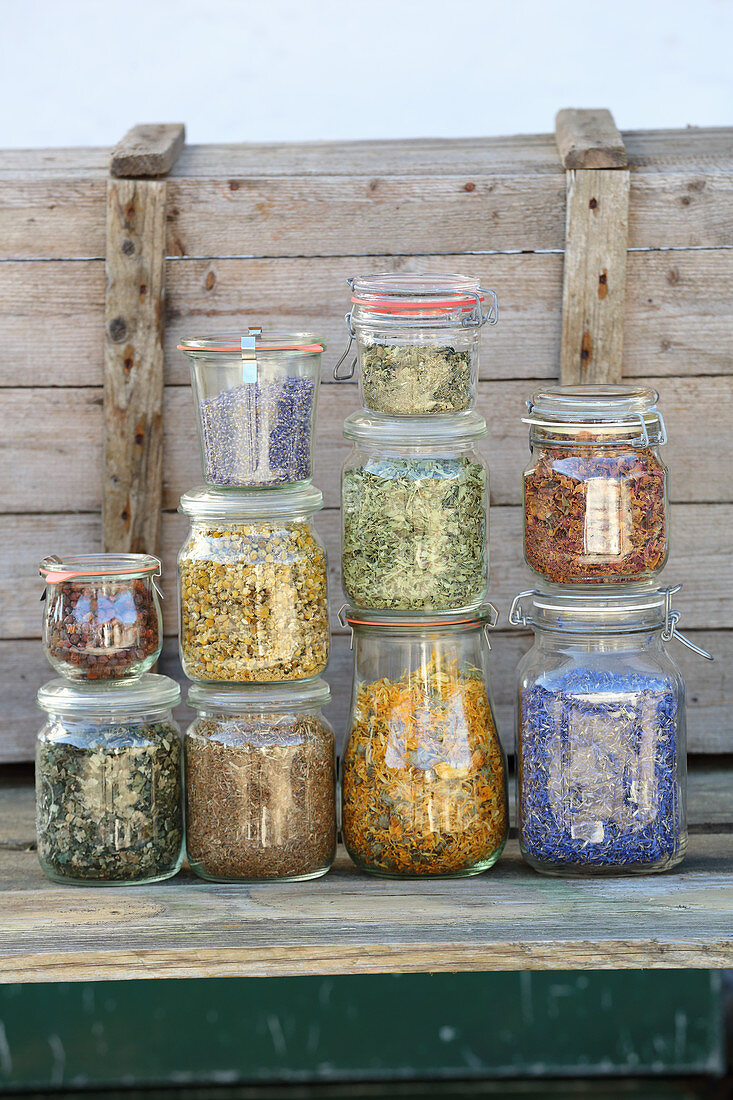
pixel 595 490
pixel 423 775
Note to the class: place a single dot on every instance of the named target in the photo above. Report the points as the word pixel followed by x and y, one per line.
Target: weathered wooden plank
pixel 133 366
pixel 148 150
pixel 676 319
pixel 59 431
pixel 52 218
pixel 589 138
pixel 348 923
pixel 594 277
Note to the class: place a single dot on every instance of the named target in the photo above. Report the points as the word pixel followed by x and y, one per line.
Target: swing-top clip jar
pixel 595 490
pixel 417 341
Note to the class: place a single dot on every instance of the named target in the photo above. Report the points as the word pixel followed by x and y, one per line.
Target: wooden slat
pixel 58 432
pixel 148 150
pixel 676 320
pixel 346 923
pixel 589 138
pixel 594 277
pixel 133 366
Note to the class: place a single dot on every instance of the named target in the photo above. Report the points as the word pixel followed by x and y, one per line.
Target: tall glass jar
pixel 595 490
pixel 255 397
pixel 600 732
pixel 417 341
pixel 109 792
pixel 415 514
pixel 253 587
pixel 102 616
pixel 260 783
pixel 423 776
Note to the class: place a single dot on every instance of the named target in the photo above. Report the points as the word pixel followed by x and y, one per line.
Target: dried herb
pixel 260 797
pixel 109 801
pixel 415 533
pixel 253 602
pixel 102 630
pixel 598 772
pixel 259 433
pixel 416 379
pixel 594 514
pixel 424 788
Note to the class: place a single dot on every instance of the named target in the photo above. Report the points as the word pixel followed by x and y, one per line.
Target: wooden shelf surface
pixel 507 919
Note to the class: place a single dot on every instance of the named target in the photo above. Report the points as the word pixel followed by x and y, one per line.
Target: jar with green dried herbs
pixel 417 341
pixel 260 783
pixel 415 514
pixel 253 587
pixel 109 789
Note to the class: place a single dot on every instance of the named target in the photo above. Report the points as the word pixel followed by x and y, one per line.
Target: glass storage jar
pixel 109 791
pixel 102 615
pixel 600 732
pixel 423 777
pixel 417 341
pixel 415 513
pixel 595 490
pixel 255 398
pixel 253 586
pixel 260 783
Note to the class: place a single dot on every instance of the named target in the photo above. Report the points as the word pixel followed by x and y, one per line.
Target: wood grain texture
pixel 594 277
pixel 509 919
pixel 148 150
pixel 589 138
pixel 133 366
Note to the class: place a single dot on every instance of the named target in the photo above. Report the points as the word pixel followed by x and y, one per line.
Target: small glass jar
pixel 109 790
pixel 600 732
pixel 415 514
pixel 417 341
pixel 102 616
pixel 260 783
pixel 253 587
pixel 255 399
pixel 423 776
pixel 595 490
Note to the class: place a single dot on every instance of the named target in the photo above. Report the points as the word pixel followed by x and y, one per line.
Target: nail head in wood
pixel 589 139
pixel 148 150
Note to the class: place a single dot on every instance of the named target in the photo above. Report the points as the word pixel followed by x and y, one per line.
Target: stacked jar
pixel 423 778
pixel 109 799
pixel 253 616
pixel 601 764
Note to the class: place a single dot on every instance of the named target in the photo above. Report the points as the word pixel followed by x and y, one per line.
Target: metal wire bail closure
pixel 670 631
pixel 350 329
pixel 517 616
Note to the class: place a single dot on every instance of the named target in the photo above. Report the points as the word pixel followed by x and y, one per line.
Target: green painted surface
pixel 399 1026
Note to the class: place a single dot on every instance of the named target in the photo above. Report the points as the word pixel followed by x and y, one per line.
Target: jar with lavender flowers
pixel 601 764
pixel 255 395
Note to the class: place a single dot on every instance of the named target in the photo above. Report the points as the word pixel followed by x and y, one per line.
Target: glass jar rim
pixel 228 344
pixel 621 409
pixel 486 615
pixel 259 698
pixel 134 697
pixel 390 290
pixel 55 569
pixel 246 504
pixel 584 609
pixel 375 428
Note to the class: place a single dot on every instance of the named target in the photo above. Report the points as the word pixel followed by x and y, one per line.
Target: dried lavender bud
pixel 260 797
pixel 416 379
pixel 599 787
pixel 109 804
pixel 259 433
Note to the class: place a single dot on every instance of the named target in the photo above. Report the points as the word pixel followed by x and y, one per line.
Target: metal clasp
pixel 342 620
pixel 492 314
pixel 517 616
pixel 249 354
pixel 670 631
pixel 490 624
pixel 352 334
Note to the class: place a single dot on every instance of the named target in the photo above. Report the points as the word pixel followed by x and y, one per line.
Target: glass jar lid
pixel 368 427
pixel 246 504
pixel 422 299
pixel 109 698
pixel 226 344
pixel 484 616
pixel 620 412
pixel 55 569
pixel 638 608
pixel 256 698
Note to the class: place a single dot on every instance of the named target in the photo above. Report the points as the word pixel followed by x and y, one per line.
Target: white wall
pixel 83 71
